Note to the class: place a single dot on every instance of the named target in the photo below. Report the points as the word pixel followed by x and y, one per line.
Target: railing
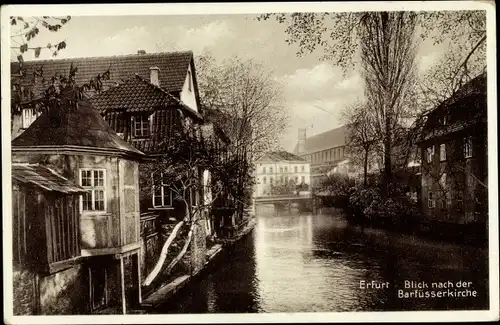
pixel 63 232
pixel 149 226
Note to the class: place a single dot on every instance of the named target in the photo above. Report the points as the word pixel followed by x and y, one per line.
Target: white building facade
pixel 279 168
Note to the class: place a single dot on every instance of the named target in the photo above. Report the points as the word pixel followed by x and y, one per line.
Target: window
pixel 430 200
pixel 286 179
pixel 295 169
pixel 281 179
pixel 271 180
pixel 296 179
pixel 301 168
pixel 442 152
pixel 162 194
pixel 141 126
pixel 442 181
pixel 264 180
pixel 94 181
pixel 430 153
pixel 468 147
pixel 264 170
pixel 29 116
pixel 281 169
pixel 303 179
pixel 271 170
pixel 286 169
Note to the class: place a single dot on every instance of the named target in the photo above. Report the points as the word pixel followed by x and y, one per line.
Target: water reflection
pixel 305 263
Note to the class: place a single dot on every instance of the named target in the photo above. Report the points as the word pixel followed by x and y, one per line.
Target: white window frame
pixel 442 152
pixel 163 187
pixel 143 119
pixel 468 147
pixel 93 188
pixel 29 118
pixel 430 153
pixel 442 181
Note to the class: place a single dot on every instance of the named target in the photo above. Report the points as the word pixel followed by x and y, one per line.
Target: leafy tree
pixel 249 95
pixel 181 167
pixel 362 138
pixel 39 91
pixel 384 43
pixel 284 188
pixel 245 100
pixel 26 29
pixel 464 34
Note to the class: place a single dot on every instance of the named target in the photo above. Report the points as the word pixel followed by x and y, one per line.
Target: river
pixel 306 263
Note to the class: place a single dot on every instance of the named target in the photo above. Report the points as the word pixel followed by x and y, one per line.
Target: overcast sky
pixel 308 82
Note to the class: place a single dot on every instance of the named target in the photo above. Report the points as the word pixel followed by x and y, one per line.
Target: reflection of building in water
pixel 286 264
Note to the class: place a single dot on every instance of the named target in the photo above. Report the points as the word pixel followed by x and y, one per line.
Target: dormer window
pixel 141 126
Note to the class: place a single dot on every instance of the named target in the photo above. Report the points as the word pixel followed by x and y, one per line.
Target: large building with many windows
pixel 325 152
pixel 280 168
pixel 454 165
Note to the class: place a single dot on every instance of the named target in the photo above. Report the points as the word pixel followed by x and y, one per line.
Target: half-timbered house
pixel 85 247
pixel 454 167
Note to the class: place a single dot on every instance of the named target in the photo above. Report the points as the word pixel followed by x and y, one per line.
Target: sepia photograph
pixel 248 162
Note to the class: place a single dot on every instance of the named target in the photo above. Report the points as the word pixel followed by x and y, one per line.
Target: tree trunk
pixel 182 252
pixel 365 169
pixel 387 146
pixel 156 270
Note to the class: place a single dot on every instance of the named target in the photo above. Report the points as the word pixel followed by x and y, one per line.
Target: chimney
pixel 154 73
pixel 301 147
pixel 141 52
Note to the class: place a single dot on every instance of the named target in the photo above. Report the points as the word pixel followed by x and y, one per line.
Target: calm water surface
pixel 305 263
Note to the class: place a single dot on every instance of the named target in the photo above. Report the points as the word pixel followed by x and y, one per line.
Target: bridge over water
pixel 302 202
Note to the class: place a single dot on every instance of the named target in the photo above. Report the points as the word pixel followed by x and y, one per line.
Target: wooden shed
pixel 76 142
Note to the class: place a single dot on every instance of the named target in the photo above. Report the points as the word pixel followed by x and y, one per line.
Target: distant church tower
pixel 301 147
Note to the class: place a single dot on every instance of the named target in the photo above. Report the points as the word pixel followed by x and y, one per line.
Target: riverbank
pixel 474 234
pixel 169 290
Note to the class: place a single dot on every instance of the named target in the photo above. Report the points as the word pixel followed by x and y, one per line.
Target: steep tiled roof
pixel 280 156
pixel 469 104
pixel 326 140
pixel 82 126
pixel 173 68
pixel 44 178
pixel 137 94
pixel 476 86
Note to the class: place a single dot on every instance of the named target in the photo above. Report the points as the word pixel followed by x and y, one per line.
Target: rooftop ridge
pixel 108 57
